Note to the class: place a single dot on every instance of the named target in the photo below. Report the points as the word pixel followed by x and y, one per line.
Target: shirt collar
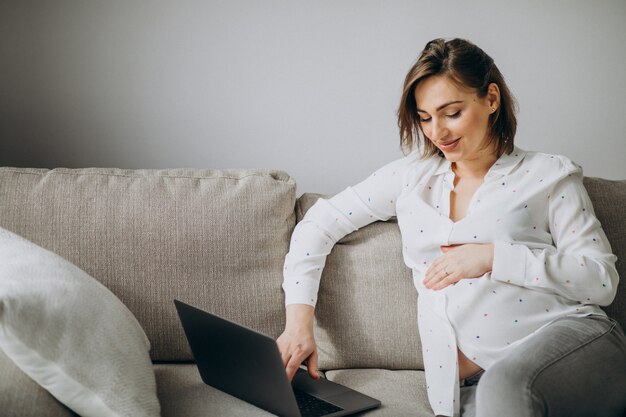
pixel 444 166
pixel 506 163
pixel 501 167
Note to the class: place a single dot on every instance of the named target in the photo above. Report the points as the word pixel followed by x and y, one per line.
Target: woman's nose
pixel 438 130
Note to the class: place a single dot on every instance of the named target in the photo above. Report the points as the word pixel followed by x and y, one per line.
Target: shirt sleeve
pixel 328 220
pixel 580 266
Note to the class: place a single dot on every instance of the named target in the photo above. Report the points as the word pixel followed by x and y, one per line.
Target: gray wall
pixel 308 87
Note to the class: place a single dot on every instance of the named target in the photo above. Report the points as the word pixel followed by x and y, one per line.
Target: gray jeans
pixel 574 367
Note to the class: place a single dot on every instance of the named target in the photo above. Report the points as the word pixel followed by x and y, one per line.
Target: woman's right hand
pixel 297 344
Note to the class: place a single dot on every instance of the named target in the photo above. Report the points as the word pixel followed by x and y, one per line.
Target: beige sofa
pixel 217 240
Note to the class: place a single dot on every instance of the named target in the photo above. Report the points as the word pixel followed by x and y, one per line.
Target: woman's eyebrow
pixel 442 106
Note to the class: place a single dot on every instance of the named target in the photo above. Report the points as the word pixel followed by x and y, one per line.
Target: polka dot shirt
pixel 551 256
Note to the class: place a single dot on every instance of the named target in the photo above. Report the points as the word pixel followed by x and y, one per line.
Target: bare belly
pixel 467 368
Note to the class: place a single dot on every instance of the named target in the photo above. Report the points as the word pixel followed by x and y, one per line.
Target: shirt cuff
pixel 509 263
pixel 300 291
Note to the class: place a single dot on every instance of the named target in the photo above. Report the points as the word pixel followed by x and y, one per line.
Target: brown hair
pixel 470 67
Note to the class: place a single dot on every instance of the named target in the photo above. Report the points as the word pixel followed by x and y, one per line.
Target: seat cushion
pixel 216 239
pixel 20 396
pixel 402 393
pixel 366 311
pixel 182 393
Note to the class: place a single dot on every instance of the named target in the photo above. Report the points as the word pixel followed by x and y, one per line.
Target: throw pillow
pixel 71 335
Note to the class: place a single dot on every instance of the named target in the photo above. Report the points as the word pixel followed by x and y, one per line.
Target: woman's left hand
pixel 457 263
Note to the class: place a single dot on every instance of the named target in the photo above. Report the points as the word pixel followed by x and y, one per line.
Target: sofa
pixel 217 239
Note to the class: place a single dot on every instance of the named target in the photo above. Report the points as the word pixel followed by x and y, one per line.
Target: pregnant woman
pixel 508 258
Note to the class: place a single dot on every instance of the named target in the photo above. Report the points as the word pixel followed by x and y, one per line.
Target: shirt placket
pixel 447 226
pixel 451 385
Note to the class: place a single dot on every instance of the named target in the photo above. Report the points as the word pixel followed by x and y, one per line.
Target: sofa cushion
pixel 20 396
pixel 71 335
pixel 402 393
pixel 366 310
pixel 182 393
pixel 214 238
pixel 609 202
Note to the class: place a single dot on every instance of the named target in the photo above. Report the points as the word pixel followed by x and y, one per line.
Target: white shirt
pixel 551 256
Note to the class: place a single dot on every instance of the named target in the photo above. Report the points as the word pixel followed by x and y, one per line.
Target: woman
pixel 509 260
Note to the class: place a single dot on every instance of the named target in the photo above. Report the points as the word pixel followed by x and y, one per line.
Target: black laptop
pixel 247 365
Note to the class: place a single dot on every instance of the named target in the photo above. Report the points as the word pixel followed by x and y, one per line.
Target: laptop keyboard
pixel 311 406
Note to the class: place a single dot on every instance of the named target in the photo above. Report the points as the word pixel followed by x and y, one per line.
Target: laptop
pixel 247 365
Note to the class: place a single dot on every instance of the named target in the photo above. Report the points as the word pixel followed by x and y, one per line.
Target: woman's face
pixel 454 119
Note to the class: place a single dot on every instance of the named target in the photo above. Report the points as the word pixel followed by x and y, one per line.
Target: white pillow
pixel 71 334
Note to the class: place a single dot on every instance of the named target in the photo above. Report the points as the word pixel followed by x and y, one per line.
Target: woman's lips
pixel 448 146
